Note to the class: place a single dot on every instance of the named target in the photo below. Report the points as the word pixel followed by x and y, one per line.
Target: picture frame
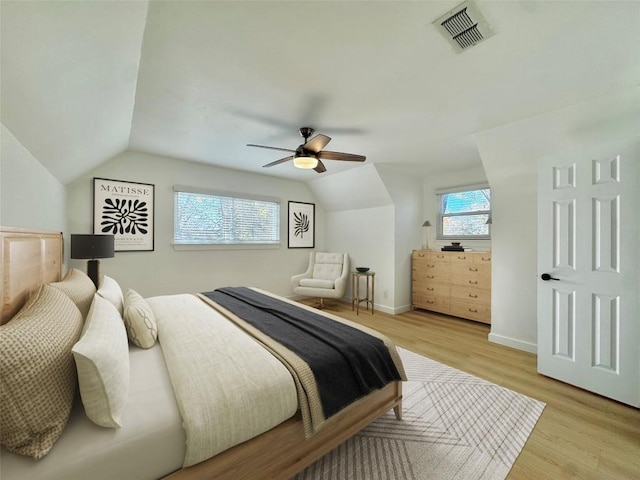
pixel 126 210
pixel 301 225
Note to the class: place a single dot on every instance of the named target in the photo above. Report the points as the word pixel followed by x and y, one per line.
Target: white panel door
pixel 589 270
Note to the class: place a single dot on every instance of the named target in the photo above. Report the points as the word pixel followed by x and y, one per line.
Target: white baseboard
pixel 378 307
pixel 397 310
pixel 513 343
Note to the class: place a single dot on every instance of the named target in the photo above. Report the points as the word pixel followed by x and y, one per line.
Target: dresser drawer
pixel 432 288
pixel 482 258
pixel 430 276
pixel 461 258
pixel 431 302
pixel 431 256
pixel 431 267
pixel 471 294
pixel 472 311
pixel 482 270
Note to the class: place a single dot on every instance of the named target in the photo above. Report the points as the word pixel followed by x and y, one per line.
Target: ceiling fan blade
pixel 349 157
pixel 270 148
pixel 282 160
pixel 320 167
pixel 317 143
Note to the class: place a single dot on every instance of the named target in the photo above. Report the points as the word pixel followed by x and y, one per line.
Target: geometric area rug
pixel 454 426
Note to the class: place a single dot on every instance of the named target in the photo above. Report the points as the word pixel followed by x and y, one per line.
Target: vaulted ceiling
pixel 83 81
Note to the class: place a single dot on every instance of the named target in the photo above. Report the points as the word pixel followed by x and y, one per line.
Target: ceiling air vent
pixel 464 26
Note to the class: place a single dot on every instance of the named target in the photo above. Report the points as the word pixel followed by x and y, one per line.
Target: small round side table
pixel 368 297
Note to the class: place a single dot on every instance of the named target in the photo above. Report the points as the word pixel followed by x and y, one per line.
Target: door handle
pixel 546 277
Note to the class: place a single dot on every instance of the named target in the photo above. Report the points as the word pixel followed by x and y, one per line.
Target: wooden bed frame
pixel 30 258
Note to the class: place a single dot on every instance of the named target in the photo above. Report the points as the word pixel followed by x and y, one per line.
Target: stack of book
pixel 453 248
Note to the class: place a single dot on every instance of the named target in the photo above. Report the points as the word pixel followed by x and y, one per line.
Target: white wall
pixel 166 270
pixel 407 193
pixel 30 197
pixel 510 157
pixel 367 235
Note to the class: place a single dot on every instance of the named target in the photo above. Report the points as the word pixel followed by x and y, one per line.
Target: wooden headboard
pixel 28 259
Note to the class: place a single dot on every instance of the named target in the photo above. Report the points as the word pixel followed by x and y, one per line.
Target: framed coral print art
pixel 302 225
pixel 125 210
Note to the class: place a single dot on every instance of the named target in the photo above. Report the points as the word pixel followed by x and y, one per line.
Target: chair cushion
pixel 316 283
pixel 327 271
pixel 323 257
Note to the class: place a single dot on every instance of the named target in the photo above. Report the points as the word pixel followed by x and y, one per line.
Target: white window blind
pixel 231 219
pixel 463 213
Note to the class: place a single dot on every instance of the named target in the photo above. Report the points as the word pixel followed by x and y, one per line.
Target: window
pixel 463 213
pixel 224 219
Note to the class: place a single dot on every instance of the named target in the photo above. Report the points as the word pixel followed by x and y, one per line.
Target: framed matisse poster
pixel 124 209
pixel 302 225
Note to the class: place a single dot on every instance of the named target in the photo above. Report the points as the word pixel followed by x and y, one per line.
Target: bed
pixel 151 441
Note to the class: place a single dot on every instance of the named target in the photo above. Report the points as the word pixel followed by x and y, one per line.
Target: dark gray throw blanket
pixel 347 363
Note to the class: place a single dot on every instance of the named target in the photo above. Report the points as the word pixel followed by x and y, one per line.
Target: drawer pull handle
pixel 430 265
pixel 430 276
pixel 473 296
pixel 473 282
pixel 461 258
pixel 440 256
pixel 486 259
pixel 473 269
pixel 430 289
pixel 473 310
pixel 430 302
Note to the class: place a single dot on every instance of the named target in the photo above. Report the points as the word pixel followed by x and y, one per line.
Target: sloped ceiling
pixel 68 79
pixel 82 81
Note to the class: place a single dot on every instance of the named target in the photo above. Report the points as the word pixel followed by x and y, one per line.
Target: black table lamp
pixel 92 247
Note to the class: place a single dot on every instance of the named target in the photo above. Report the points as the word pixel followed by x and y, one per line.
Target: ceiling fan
pixel 310 154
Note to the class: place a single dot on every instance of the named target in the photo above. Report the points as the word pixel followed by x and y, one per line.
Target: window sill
pixel 225 246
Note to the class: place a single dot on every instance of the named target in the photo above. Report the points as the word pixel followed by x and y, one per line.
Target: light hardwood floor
pixel 579 435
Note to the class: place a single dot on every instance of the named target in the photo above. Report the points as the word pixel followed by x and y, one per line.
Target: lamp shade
pixel 426 223
pixel 305 161
pixel 92 246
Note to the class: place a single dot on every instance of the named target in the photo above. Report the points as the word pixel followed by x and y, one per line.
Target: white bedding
pixel 226 367
pixel 150 444
pixel 228 387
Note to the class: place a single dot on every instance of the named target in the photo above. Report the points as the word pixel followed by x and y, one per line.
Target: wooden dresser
pixel 455 283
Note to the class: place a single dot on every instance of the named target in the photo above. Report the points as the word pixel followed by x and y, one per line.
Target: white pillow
pixel 140 321
pixel 102 360
pixel 110 290
pixel 79 288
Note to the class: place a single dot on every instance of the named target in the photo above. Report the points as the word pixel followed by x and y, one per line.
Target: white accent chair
pixel 327 276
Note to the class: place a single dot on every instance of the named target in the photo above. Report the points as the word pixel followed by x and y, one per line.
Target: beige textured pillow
pixel 79 288
pixel 102 359
pixel 142 329
pixel 37 372
pixel 110 290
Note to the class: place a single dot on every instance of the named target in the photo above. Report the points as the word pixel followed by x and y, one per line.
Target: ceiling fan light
pixel 304 161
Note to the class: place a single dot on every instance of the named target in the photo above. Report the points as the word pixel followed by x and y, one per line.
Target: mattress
pixel 150 444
